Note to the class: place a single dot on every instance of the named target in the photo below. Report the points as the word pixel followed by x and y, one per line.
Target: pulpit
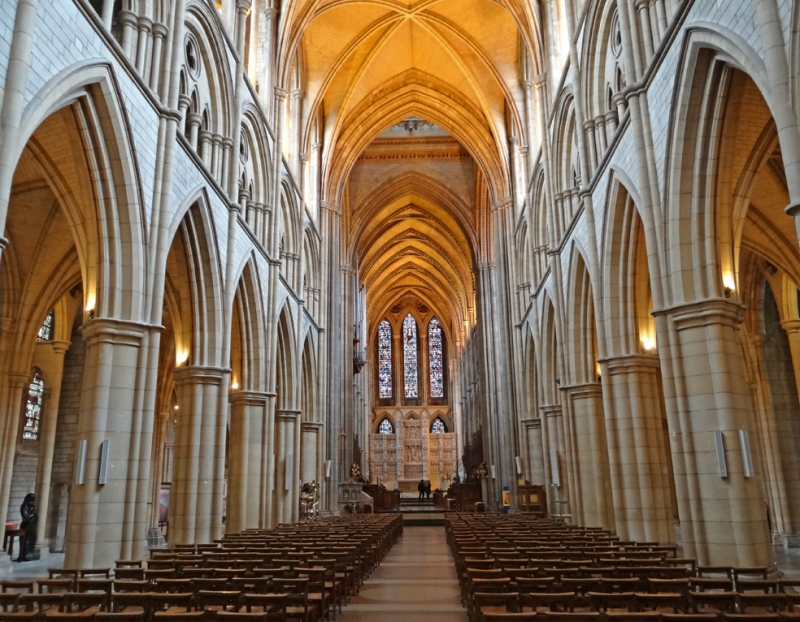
pixel 353 499
pixel 532 499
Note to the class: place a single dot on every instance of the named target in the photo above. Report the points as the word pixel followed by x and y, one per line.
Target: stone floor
pixel 416 582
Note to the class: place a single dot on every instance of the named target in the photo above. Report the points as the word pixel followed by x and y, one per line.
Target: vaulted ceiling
pixel 413 202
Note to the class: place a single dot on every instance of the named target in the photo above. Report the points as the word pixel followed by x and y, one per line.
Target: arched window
pixel 384 360
pixel 46 331
pixel 33 406
pixel 438 426
pixel 410 357
pixel 386 427
pixel 436 358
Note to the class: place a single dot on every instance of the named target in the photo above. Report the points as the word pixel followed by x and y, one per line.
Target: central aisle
pixel 416 579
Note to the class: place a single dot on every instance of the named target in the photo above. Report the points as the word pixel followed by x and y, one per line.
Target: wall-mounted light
pixel 729 283
pixel 181 357
pixel 90 302
pixel 648 343
pixel 234 385
pixel 175 407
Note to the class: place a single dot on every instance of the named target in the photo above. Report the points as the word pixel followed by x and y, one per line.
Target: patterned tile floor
pixel 416 582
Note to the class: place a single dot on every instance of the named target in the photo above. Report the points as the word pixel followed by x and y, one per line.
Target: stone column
pixel 249 490
pixel 533 431
pixel 154 535
pixel 309 459
pixel 159 35
pixel 47 440
pixel 723 520
pixel 12 97
pixel 199 449
pixel 10 403
pixel 553 444
pixel 100 516
pixel 287 426
pixel 591 455
pixel 636 449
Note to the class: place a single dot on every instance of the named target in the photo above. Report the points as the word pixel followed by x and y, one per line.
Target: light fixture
pixel 234 385
pixel 181 357
pixel 175 407
pixel 90 302
pixel 729 283
pixel 648 343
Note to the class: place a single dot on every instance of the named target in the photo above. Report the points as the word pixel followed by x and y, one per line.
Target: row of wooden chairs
pixel 300 583
pixel 573 570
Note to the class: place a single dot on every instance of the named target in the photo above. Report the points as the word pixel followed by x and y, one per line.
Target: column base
pixel 155 537
pixel 791 540
pixel 43 550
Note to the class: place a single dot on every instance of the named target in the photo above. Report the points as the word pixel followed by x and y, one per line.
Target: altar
pixel 412 452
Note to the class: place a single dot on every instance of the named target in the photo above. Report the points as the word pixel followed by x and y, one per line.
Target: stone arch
pixel 112 271
pixel 194 280
pixel 248 327
pixel 718 72
pixel 627 294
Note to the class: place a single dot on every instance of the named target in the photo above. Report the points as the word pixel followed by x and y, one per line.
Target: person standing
pixel 421 489
pixel 428 489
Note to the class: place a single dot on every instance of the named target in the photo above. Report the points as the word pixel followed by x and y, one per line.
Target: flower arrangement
pixel 447 475
pixel 482 470
pixel 355 471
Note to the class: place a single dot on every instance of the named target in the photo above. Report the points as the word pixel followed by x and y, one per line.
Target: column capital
pixel 584 391
pixel 330 207
pixel 60 347
pixel 793 209
pixel 243 6
pixel 551 410
pixel 114 331
pixel 502 203
pixel 160 30
pixel 311 426
pixel 145 23
pixel 250 398
pixel 704 313
pixel 532 423
pixel 18 381
pixel 791 326
pixel 287 414
pixel 127 18
pixel 280 93
pixel 200 374
pixel 628 363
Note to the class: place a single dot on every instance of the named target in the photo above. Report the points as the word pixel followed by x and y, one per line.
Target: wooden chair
pixel 219 600
pixel 119 616
pixel 719 602
pixel 9 601
pixel 774 602
pixel 561 616
pixel 510 617
pixel 662 601
pixel 17 587
pixel 550 601
pixel 689 617
pixel 129 574
pixel 182 616
pixel 603 601
pixel 638 616
pixel 751 617
pixel 493 602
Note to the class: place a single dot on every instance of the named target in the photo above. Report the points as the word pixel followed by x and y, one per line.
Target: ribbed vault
pixel 368 64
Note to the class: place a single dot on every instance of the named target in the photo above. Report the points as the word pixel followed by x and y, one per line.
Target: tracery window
pixel 46 331
pixel 410 375
pixel 438 427
pixel 33 406
pixel 384 360
pixel 386 427
pixel 436 358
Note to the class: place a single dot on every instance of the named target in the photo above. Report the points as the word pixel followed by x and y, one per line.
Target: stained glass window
pixel 33 406
pixel 46 331
pixel 436 358
pixel 438 427
pixel 384 360
pixel 410 356
pixel 386 427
